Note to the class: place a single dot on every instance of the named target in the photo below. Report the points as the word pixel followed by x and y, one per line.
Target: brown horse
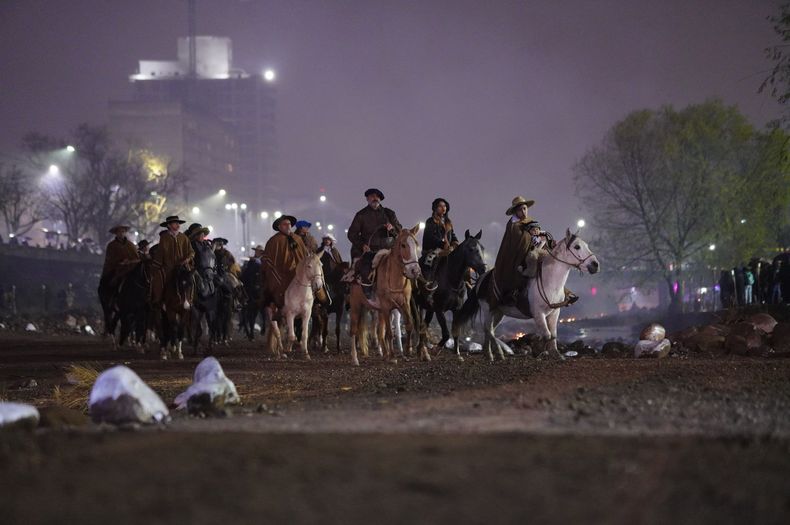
pixel 174 315
pixel 394 270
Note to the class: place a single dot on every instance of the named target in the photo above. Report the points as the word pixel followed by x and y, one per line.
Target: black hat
pixel 276 223
pixel 171 218
pixel 377 191
pixel 119 227
pixel 436 202
pixel 220 240
pixel 142 244
pixel 192 227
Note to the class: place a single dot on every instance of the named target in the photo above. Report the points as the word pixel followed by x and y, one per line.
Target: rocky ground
pixel 697 437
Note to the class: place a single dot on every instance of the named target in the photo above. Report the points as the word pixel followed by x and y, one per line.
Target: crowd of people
pixel 759 282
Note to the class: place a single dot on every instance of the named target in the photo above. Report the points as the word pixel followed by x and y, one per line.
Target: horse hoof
pixel 163 355
pixel 355 362
pixel 180 356
pixel 460 359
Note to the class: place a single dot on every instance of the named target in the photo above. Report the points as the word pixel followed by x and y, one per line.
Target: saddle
pixel 363 271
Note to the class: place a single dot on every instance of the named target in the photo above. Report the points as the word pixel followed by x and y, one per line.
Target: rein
pixel 542 287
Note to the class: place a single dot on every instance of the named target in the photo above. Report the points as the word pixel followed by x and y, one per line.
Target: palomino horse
pixel 450 276
pixel 394 269
pixel 545 293
pixel 309 279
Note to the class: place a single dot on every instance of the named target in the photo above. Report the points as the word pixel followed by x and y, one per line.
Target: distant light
pixel 712 247
pixel 53 169
pixel 743 221
pixel 70 148
pixel 580 223
pixel 422 225
pixel 136 234
pixel 264 215
pixel 322 198
pixel 330 227
pixel 210 228
pixel 195 210
pixel 222 193
pixel 243 206
pixel 269 75
pixel 593 291
pixel 703 290
pixel 11 235
pixel 154 194
pixel 278 214
pixel 346 230
pixel 234 205
pixel 318 223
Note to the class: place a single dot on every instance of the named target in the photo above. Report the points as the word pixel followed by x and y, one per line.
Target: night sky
pixel 470 100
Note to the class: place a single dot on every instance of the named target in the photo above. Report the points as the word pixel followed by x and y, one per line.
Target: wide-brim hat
pixel 329 236
pixel 192 227
pixel 258 248
pixel 436 202
pixel 143 243
pixel 197 231
pixel 119 227
pixel 220 240
pixel 281 218
pixel 531 223
pixel 302 222
pixel 171 218
pixel 377 191
pixel 518 201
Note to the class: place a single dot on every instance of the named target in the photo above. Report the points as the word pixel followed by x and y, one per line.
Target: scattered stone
pixel 30 327
pixel 88 330
pixel 653 332
pixel 119 396
pixel 571 353
pixel 745 339
pixel 211 390
pixel 780 339
pixel 615 349
pixel 706 341
pixel 450 344
pixel 71 322
pixel 474 348
pixel 18 415
pixel 659 349
pixel 763 321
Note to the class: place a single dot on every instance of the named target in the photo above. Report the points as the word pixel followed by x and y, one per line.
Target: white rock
pixel 89 330
pixel 450 343
pixel 11 413
pixel 652 348
pixel 71 322
pixel 30 327
pixel 474 348
pixel 209 379
pixel 120 396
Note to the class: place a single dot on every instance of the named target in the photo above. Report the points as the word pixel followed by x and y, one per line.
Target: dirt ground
pixel 590 440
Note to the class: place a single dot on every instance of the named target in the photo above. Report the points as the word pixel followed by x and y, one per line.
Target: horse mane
pixel 378 257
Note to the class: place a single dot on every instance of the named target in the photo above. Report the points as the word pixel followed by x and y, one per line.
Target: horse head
pixel 312 271
pixel 408 250
pixel 581 255
pixel 472 252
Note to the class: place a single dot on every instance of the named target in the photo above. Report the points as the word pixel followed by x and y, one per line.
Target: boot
pixel 570 296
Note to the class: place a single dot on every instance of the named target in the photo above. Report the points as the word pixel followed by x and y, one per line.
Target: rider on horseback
pixel 438 240
pixel 173 251
pixel 523 246
pixel 282 253
pixel 372 229
pixel 303 231
pixel 120 257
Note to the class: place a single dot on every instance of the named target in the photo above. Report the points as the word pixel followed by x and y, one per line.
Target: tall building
pixel 244 104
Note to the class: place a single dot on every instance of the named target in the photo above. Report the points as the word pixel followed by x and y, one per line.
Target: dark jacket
pixel 438 235
pixel 368 228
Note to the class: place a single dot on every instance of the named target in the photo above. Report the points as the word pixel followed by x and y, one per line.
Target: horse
pixel 450 276
pixel 132 304
pixel 251 279
pixel 176 309
pixel 334 304
pixel 309 279
pixel 545 294
pixel 205 303
pixel 394 270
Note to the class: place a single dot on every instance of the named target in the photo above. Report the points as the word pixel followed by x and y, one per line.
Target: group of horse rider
pixel 373 228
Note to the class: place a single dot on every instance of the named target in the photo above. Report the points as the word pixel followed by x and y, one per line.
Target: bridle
pixel 579 261
pixel 539 278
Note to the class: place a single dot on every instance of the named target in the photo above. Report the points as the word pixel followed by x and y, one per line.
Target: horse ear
pixel 568 233
pixel 416 229
pixel 479 234
pixel 466 234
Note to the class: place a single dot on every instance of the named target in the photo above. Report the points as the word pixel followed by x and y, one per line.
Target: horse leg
pixel 550 343
pixel 289 322
pixel 396 320
pixel 551 320
pixel 354 331
pixel 385 336
pixel 338 324
pixel 445 334
pixel 502 347
pixel 305 329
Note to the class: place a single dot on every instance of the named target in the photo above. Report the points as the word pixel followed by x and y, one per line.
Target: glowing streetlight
pixel 330 227
pixel 195 210
pixel 422 225
pixel 234 205
pixel 54 170
pixel 318 223
pixel 227 206
pixel 264 215
pixel 222 192
pixel 269 75
pixel 243 206
pixel 580 223
pixel 278 214
pixel 322 198
pixel 210 228
pixel 712 247
pixel 70 148
pixel 743 221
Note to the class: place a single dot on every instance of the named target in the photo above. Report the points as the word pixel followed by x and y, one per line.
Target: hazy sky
pixel 475 101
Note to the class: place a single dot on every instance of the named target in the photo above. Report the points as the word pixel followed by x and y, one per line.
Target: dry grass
pixel 75 395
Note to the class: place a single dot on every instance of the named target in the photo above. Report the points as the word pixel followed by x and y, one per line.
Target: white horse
pixel 546 295
pixel 299 298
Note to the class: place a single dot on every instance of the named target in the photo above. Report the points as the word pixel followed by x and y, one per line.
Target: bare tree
pixel 19 200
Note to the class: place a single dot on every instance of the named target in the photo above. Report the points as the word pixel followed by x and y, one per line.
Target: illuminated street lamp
pixel 243 206
pixel 234 206
pixel 330 227
pixel 269 75
pixel 227 206
pixel 712 247
pixel 422 225
pixel 54 170
pixel 264 215
pixel 70 148
pixel 195 210
pixel 322 198
pixel 278 214
pixel 222 192
pixel 580 223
